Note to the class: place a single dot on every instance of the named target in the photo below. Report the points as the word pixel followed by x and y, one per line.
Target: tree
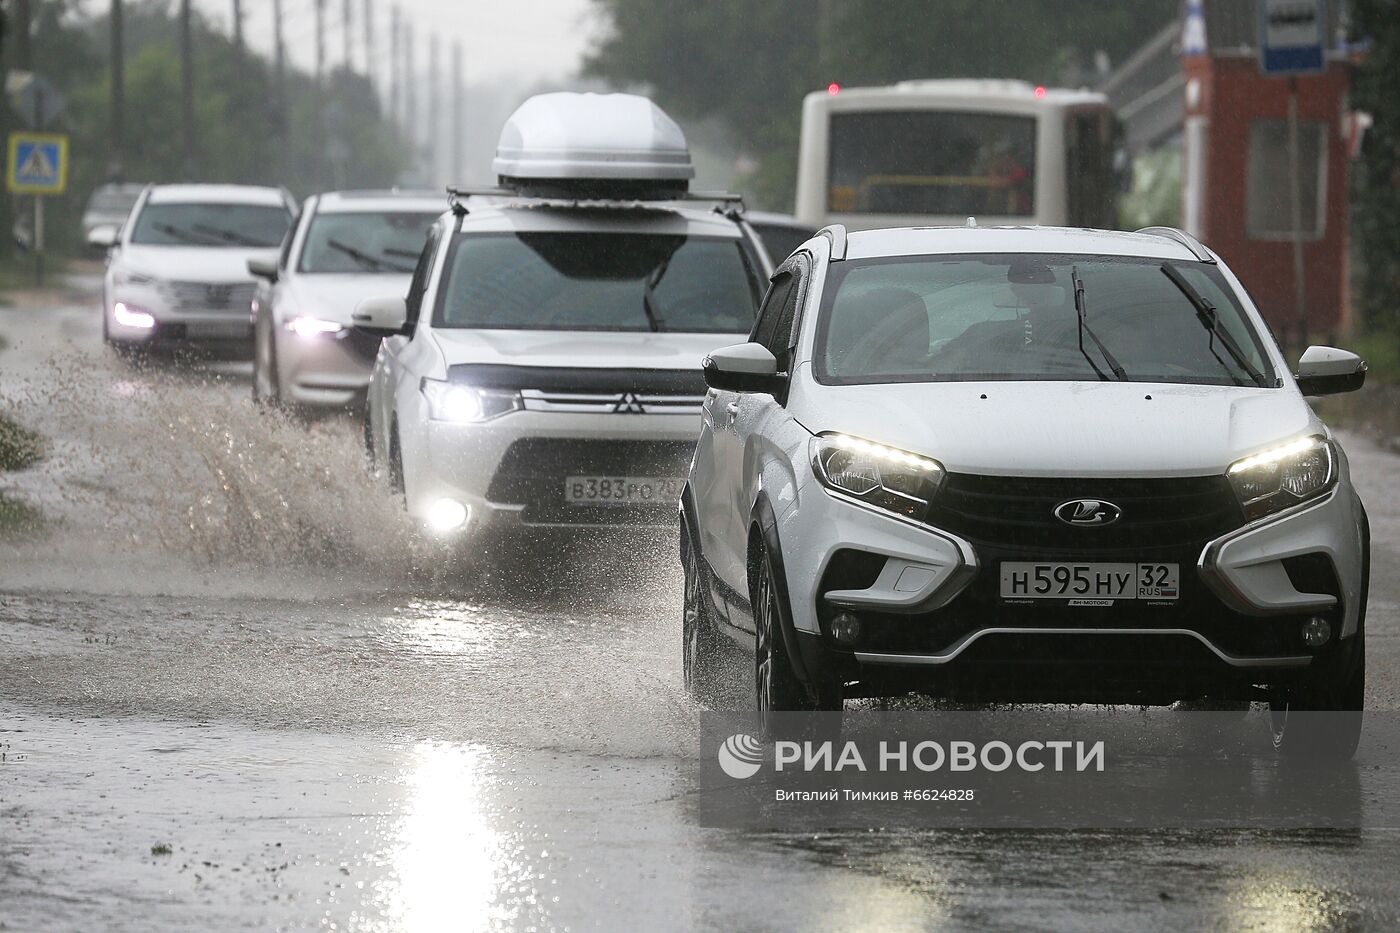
pixel 750 63
pixel 1376 195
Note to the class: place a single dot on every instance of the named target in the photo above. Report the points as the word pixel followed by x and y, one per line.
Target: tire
pixel 776 685
pixel 702 653
pixel 265 369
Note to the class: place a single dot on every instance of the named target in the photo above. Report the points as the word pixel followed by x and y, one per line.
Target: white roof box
pixel 593 145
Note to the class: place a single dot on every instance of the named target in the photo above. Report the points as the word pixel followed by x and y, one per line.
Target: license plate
pixel 1089 584
pixel 622 490
pixel 218 329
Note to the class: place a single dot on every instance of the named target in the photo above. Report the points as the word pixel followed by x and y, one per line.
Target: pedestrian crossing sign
pixel 37 163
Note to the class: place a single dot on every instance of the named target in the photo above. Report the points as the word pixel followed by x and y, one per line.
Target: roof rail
pixel 836 233
pixel 1182 237
pixel 458 195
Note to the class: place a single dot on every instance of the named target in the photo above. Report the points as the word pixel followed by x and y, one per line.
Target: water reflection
pixel 449 857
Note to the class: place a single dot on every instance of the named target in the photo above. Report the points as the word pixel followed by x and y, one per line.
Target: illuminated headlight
pixel 446 515
pixel 449 401
pixel 128 316
pixel 310 327
pixel 132 277
pixel 1285 475
pixel 891 479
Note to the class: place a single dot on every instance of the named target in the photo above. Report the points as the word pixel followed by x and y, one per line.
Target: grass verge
pixel 19 448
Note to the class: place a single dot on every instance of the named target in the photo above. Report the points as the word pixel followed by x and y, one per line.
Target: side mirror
pixel 263 268
pixel 102 236
pixel 743 367
pixel 381 317
pixel 1327 371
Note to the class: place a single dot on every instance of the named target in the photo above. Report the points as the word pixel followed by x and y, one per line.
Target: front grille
pixel 209 296
pixel 1017 513
pixel 623 403
pixel 533 471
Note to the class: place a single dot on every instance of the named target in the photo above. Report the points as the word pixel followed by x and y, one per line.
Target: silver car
pixel 345 246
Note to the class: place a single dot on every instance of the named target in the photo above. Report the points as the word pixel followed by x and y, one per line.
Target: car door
pixel 725 522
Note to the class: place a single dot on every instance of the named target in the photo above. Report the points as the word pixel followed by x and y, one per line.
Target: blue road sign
pixel 37 164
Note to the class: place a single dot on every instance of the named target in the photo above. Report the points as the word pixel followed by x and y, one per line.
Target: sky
pixel 517 41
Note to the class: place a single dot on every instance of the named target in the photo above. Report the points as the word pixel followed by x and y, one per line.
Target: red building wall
pixel 1232 93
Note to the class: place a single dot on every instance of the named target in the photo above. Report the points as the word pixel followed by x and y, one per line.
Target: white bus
pixel 937 152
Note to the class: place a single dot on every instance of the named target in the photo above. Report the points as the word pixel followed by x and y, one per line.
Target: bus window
pixel 932 162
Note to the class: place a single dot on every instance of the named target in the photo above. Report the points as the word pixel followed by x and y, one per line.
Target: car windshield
pixel 365 243
pixel 599 281
pixel 1014 317
pixel 211 224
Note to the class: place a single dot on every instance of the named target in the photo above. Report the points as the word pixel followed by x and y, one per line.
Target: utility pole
pixel 238 25
pixel 455 167
pixel 368 17
pixel 395 114
pixel 434 108
pixel 24 55
pixel 320 91
pixel 410 96
pixel 347 32
pixel 187 87
pixel 116 167
pixel 279 77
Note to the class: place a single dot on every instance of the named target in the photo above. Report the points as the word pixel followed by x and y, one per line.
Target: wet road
pixel 228 646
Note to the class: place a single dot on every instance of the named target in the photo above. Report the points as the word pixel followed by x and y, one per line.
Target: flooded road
pixel 237 692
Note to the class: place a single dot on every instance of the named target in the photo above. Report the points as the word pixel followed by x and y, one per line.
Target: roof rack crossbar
pixel 458 194
pixel 836 233
pixel 1182 237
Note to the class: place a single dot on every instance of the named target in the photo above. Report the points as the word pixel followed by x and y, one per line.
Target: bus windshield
pixel 932 162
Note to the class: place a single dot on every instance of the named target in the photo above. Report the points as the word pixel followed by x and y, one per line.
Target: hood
pixel 334 297
pixel 193 263
pixel 601 349
pixel 1062 428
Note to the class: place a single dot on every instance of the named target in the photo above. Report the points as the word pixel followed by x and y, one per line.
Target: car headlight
pixel 1275 479
pixel 306 326
pixel 449 401
pixel 132 277
pixel 884 477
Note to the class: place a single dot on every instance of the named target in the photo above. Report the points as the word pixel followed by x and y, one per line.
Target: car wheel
pixel 776 687
pixel 396 463
pixel 701 648
pixel 265 385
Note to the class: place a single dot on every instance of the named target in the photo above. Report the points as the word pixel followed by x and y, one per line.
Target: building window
pixel 1267 210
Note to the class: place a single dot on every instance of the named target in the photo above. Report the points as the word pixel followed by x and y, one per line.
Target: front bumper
pixel 176 323
pixel 931 610
pixel 324 370
pixel 510 472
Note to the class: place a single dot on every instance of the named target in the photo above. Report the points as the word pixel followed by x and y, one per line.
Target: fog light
pixel 131 317
pixel 446 515
pixel 845 628
pixel 1316 632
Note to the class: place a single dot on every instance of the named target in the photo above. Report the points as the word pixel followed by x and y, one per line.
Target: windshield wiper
pixel 183 235
pixel 364 259
pixel 1084 328
pixel 1210 320
pixel 649 293
pixel 228 236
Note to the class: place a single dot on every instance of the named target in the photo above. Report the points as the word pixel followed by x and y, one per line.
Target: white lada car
pixel 545 367
pixel 1025 464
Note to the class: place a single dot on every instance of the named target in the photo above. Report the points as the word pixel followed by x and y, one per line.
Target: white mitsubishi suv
pixel 1025 465
pixel 544 369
